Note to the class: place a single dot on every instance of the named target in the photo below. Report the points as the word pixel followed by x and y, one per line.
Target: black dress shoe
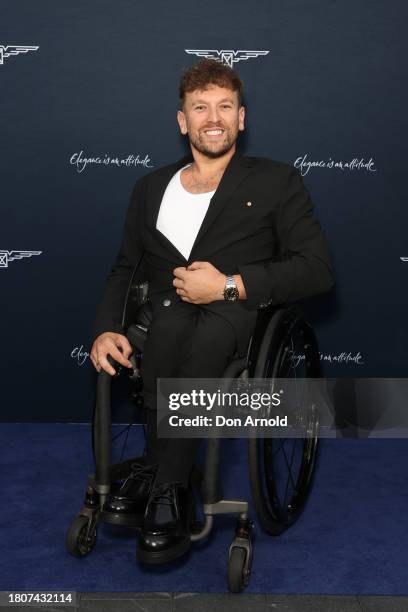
pixel 127 505
pixel 165 533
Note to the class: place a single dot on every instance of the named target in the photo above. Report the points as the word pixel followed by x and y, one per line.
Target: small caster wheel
pixel 77 542
pixel 236 563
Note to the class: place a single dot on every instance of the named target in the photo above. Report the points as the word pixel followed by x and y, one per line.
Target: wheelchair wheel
pixel 281 469
pixel 80 540
pixel 236 563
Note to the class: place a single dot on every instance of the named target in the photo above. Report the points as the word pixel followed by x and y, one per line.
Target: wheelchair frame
pixel 266 353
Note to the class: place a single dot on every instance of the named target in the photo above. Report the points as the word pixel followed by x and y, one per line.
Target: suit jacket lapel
pixel 158 187
pixel 236 171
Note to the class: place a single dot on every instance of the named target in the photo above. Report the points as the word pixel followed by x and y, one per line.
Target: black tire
pixel 277 510
pixel 235 575
pixel 76 543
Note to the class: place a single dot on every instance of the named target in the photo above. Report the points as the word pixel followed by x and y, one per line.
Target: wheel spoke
pixel 288 466
pixel 120 433
pixel 290 472
pixel 281 445
pixel 126 431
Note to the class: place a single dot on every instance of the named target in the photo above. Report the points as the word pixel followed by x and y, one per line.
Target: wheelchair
pixel 280 469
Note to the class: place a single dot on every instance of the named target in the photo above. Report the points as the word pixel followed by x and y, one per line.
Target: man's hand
pixel 109 343
pixel 200 283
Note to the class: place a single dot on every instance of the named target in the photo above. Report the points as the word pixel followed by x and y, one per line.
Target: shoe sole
pixel 164 556
pixel 124 520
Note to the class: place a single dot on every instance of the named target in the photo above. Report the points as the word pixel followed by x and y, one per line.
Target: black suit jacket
pixel 260 224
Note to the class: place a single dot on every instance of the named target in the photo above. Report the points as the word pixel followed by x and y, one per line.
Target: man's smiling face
pixel 212 119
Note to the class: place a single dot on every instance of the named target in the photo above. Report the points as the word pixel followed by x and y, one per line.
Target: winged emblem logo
pixel 404 258
pixel 226 56
pixel 7 51
pixel 6 256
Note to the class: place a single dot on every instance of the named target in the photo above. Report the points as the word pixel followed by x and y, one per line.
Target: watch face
pixel 231 294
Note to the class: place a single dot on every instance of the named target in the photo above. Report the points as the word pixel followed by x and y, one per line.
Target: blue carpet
pixel 351 539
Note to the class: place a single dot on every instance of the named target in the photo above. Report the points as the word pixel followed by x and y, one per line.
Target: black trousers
pixel 184 341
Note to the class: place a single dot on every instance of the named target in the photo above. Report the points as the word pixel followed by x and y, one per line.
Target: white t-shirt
pixel 181 214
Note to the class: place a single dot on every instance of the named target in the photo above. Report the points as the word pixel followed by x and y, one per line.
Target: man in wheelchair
pixel 219 235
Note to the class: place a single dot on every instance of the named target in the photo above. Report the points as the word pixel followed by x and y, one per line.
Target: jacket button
pixel 249 203
pixel 166 302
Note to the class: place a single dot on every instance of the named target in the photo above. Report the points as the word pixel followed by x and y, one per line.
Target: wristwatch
pixel 231 293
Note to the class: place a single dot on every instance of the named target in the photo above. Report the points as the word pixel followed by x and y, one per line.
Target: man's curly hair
pixel 209 72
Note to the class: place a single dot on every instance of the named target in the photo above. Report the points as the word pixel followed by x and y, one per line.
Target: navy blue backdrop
pixel 92 107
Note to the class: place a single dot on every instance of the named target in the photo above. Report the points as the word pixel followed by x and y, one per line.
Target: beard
pixel 217 149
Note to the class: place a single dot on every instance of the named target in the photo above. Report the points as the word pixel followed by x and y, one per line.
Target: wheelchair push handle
pixel 109 352
pixel 118 367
